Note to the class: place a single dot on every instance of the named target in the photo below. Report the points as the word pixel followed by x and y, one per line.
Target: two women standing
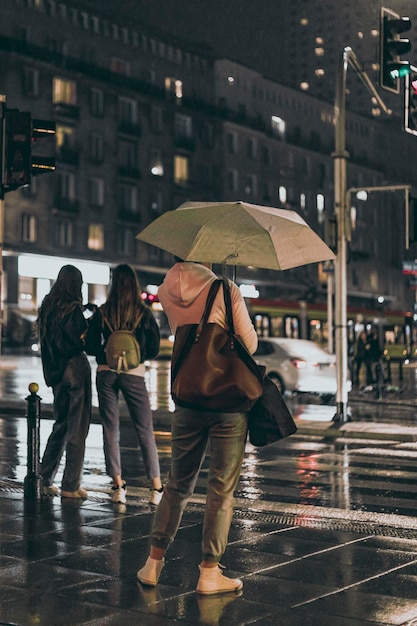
pixel 65 337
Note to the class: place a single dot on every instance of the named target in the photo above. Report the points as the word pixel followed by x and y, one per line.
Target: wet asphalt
pixel 324 530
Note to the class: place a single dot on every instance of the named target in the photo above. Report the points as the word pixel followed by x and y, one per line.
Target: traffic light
pixel 392 46
pixel 43 147
pixel 23 155
pixel 17 157
pixel 410 102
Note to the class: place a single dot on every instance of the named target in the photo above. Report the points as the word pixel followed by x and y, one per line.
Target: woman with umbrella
pixel 183 296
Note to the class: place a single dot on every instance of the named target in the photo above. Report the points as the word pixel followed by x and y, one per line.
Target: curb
pixel 329 430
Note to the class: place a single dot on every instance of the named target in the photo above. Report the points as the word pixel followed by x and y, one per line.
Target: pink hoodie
pixel 183 296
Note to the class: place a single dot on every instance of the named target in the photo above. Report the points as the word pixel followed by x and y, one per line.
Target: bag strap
pixel 105 320
pixel 228 305
pixel 209 304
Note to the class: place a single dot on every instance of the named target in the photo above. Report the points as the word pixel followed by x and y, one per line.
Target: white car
pixel 298 365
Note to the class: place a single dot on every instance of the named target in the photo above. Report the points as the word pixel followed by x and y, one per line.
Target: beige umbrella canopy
pixel 237 233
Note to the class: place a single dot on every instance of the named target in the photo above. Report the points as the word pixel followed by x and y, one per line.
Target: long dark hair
pixel 124 306
pixel 64 297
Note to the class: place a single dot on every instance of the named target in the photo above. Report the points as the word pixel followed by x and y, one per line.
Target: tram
pixel 299 319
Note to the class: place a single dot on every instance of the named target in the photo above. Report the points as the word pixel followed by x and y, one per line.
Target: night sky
pixel 247 31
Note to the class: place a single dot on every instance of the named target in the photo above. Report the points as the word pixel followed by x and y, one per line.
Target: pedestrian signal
pixel 391 47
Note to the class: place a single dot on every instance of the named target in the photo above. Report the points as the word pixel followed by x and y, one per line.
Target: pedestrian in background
pixel 361 357
pixel 373 355
pixel 66 369
pixel 125 309
pixel 183 296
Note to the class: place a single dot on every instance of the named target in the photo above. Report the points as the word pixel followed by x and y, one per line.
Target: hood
pixel 184 283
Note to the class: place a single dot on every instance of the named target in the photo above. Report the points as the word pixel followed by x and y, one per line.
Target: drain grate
pixel 327 523
pixel 299 516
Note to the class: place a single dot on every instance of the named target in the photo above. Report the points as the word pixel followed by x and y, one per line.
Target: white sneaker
pixel 156 495
pixel 118 495
pixel 150 572
pixel 212 581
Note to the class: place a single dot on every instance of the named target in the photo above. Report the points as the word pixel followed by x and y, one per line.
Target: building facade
pixel 145 122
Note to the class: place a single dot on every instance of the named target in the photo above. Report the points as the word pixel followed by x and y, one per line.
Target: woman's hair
pixel 124 306
pixel 64 297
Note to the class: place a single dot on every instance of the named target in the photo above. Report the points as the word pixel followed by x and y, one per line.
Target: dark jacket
pixel 56 351
pixel 147 334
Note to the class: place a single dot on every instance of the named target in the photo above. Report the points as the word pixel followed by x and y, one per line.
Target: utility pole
pixel 2 155
pixel 341 156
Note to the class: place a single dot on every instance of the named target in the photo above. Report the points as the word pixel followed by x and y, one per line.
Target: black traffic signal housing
pixel 391 47
pixel 410 102
pixel 23 156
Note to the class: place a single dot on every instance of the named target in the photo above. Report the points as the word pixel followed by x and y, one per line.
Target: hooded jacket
pixel 183 296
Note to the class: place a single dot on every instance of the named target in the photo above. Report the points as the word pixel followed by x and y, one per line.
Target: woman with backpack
pixel 121 368
pixel 66 369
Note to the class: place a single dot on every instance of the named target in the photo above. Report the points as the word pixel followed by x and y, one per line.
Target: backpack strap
pixel 105 320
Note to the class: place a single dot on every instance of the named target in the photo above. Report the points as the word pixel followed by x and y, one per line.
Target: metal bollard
pixel 33 479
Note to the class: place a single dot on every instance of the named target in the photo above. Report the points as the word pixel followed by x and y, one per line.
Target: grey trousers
pixel 191 432
pixel 72 412
pixel 134 391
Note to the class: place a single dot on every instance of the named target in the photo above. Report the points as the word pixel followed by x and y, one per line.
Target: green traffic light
pixel 400 70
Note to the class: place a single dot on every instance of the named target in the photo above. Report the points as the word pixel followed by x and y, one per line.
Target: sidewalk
pixel 69 563
pixel 66 563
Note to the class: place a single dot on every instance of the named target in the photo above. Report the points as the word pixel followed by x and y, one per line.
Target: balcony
pixel 71 111
pixel 129 172
pixel 129 215
pixel 66 204
pixel 128 128
pixel 184 142
pixel 68 155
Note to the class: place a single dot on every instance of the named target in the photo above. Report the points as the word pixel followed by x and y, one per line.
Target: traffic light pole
pixel 2 114
pixel 341 156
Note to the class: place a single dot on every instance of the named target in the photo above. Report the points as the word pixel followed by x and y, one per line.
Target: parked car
pixel 298 366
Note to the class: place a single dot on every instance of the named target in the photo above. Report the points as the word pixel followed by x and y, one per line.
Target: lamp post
pixel 341 156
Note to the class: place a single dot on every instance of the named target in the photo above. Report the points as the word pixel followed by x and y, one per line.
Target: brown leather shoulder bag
pixel 211 369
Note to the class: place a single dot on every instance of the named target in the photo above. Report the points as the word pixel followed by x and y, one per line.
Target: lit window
pixel 63 137
pixel 302 201
pixel 64 91
pixel 353 217
pixel 282 194
pixel 278 126
pixel 181 173
pixel 96 237
pixel 173 85
pixel 320 207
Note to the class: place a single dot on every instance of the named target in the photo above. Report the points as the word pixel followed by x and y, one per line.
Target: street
pixel 323 534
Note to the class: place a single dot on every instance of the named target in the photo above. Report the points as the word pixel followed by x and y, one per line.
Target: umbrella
pixel 237 233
